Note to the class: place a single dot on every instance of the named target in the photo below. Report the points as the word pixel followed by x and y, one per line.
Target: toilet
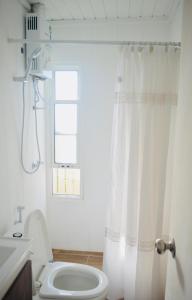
pixel 60 280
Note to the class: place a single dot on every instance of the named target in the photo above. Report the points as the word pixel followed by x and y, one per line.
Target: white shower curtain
pixel 142 141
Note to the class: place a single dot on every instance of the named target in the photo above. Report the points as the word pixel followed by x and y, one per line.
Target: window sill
pixel 66 198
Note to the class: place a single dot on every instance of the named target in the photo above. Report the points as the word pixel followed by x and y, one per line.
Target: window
pixel 66 171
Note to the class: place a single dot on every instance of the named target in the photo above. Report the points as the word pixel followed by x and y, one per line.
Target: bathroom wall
pixel 16 188
pixel 80 224
pixel 176 24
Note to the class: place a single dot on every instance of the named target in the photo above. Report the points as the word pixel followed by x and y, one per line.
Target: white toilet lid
pixel 35 228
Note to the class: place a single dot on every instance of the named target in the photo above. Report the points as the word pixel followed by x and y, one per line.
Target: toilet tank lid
pixel 35 228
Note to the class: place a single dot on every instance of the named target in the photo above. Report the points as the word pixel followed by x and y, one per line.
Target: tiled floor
pixel 94 259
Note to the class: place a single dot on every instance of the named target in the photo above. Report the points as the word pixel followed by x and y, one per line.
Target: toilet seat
pixel 60 280
pixel 52 271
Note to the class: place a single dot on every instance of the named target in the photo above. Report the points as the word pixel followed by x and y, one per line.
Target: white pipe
pixel 94 42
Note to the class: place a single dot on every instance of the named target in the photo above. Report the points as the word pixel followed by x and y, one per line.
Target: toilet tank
pixel 35 228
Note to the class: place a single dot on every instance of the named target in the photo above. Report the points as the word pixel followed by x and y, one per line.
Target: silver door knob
pixel 161 246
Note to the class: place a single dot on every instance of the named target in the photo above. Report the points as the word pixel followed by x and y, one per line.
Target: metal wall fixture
pixel 19 218
pixel 161 246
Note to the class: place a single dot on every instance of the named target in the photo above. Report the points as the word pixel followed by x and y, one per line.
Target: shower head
pixel 35 54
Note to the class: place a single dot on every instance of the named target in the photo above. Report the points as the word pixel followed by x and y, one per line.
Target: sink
pixel 14 253
pixel 5 253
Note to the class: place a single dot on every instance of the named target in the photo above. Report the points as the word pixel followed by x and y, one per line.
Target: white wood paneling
pixel 109 9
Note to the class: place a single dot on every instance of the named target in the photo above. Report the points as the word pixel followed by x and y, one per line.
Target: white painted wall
pixel 180 269
pixel 80 225
pixel 16 188
pixel 176 24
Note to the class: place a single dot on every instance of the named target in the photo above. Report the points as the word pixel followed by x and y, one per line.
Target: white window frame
pixel 51 135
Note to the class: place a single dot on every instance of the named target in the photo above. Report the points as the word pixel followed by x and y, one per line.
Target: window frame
pixel 53 131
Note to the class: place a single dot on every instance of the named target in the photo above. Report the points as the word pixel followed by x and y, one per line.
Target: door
pixel 179 276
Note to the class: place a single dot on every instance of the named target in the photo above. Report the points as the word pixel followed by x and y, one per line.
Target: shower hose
pixel 37 97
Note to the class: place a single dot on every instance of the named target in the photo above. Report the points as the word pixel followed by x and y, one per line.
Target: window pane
pixel 65 149
pixel 66 181
pixel 66 118
pixel 66 85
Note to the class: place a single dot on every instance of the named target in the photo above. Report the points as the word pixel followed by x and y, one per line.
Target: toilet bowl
pixel 60 280
pixel 72 281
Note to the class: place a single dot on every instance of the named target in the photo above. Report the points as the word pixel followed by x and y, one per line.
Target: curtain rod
pixel 94 42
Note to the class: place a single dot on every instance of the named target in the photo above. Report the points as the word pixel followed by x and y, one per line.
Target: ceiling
pixel 109 10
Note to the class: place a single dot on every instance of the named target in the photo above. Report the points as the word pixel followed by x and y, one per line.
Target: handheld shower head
pixel 33 56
